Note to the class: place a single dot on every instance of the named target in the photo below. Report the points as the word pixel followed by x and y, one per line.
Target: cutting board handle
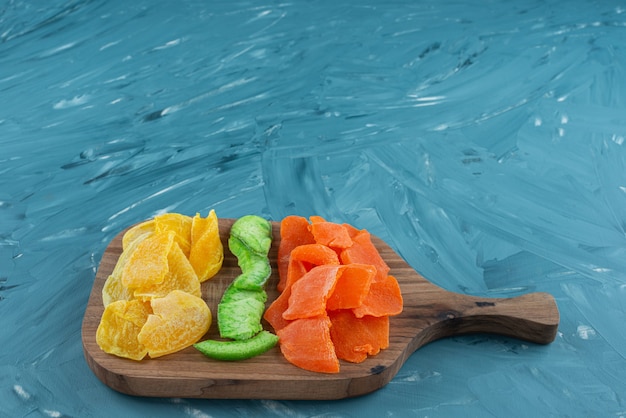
pixel 532 317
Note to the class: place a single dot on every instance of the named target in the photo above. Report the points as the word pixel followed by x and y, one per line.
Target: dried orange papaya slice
pixel 307 344
pixel 310 293
pixel 178 321
pixel 274 313
pixel 294 231
pixel 331 234
pixel 207 252
pixel 383 299
pixel 119 327
pixel 364 251
pixel 304 257
pixel 353 286
pixel 356 338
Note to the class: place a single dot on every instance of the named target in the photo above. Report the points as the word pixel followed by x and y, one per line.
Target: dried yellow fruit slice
pixel 180 224
pixel 180 275
pixel 178 321
pixel 113 288
pixel 119 327
pixel 147 263
pixel 137 232
pixel 207 252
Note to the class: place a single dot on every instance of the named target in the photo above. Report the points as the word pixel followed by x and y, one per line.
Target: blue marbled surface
pixel 483 140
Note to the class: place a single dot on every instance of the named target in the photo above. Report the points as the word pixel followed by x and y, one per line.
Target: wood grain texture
pixel 430 313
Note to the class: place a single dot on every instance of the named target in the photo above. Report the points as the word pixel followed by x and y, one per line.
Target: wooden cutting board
pixel 429 313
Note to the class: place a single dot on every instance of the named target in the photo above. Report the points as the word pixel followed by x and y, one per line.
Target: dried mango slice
pixel 113 288
pixel 180 275
pixel 178 321
pixel 179 224
pixel 207 252
pixel 119 327
pixel 147 264
pixel 137 232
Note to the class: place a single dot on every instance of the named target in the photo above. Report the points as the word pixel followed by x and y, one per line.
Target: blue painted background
pixel 483 140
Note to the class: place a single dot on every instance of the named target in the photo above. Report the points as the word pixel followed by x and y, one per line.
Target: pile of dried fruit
pixel 336 295
pixel 152 299
pixel 336 292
